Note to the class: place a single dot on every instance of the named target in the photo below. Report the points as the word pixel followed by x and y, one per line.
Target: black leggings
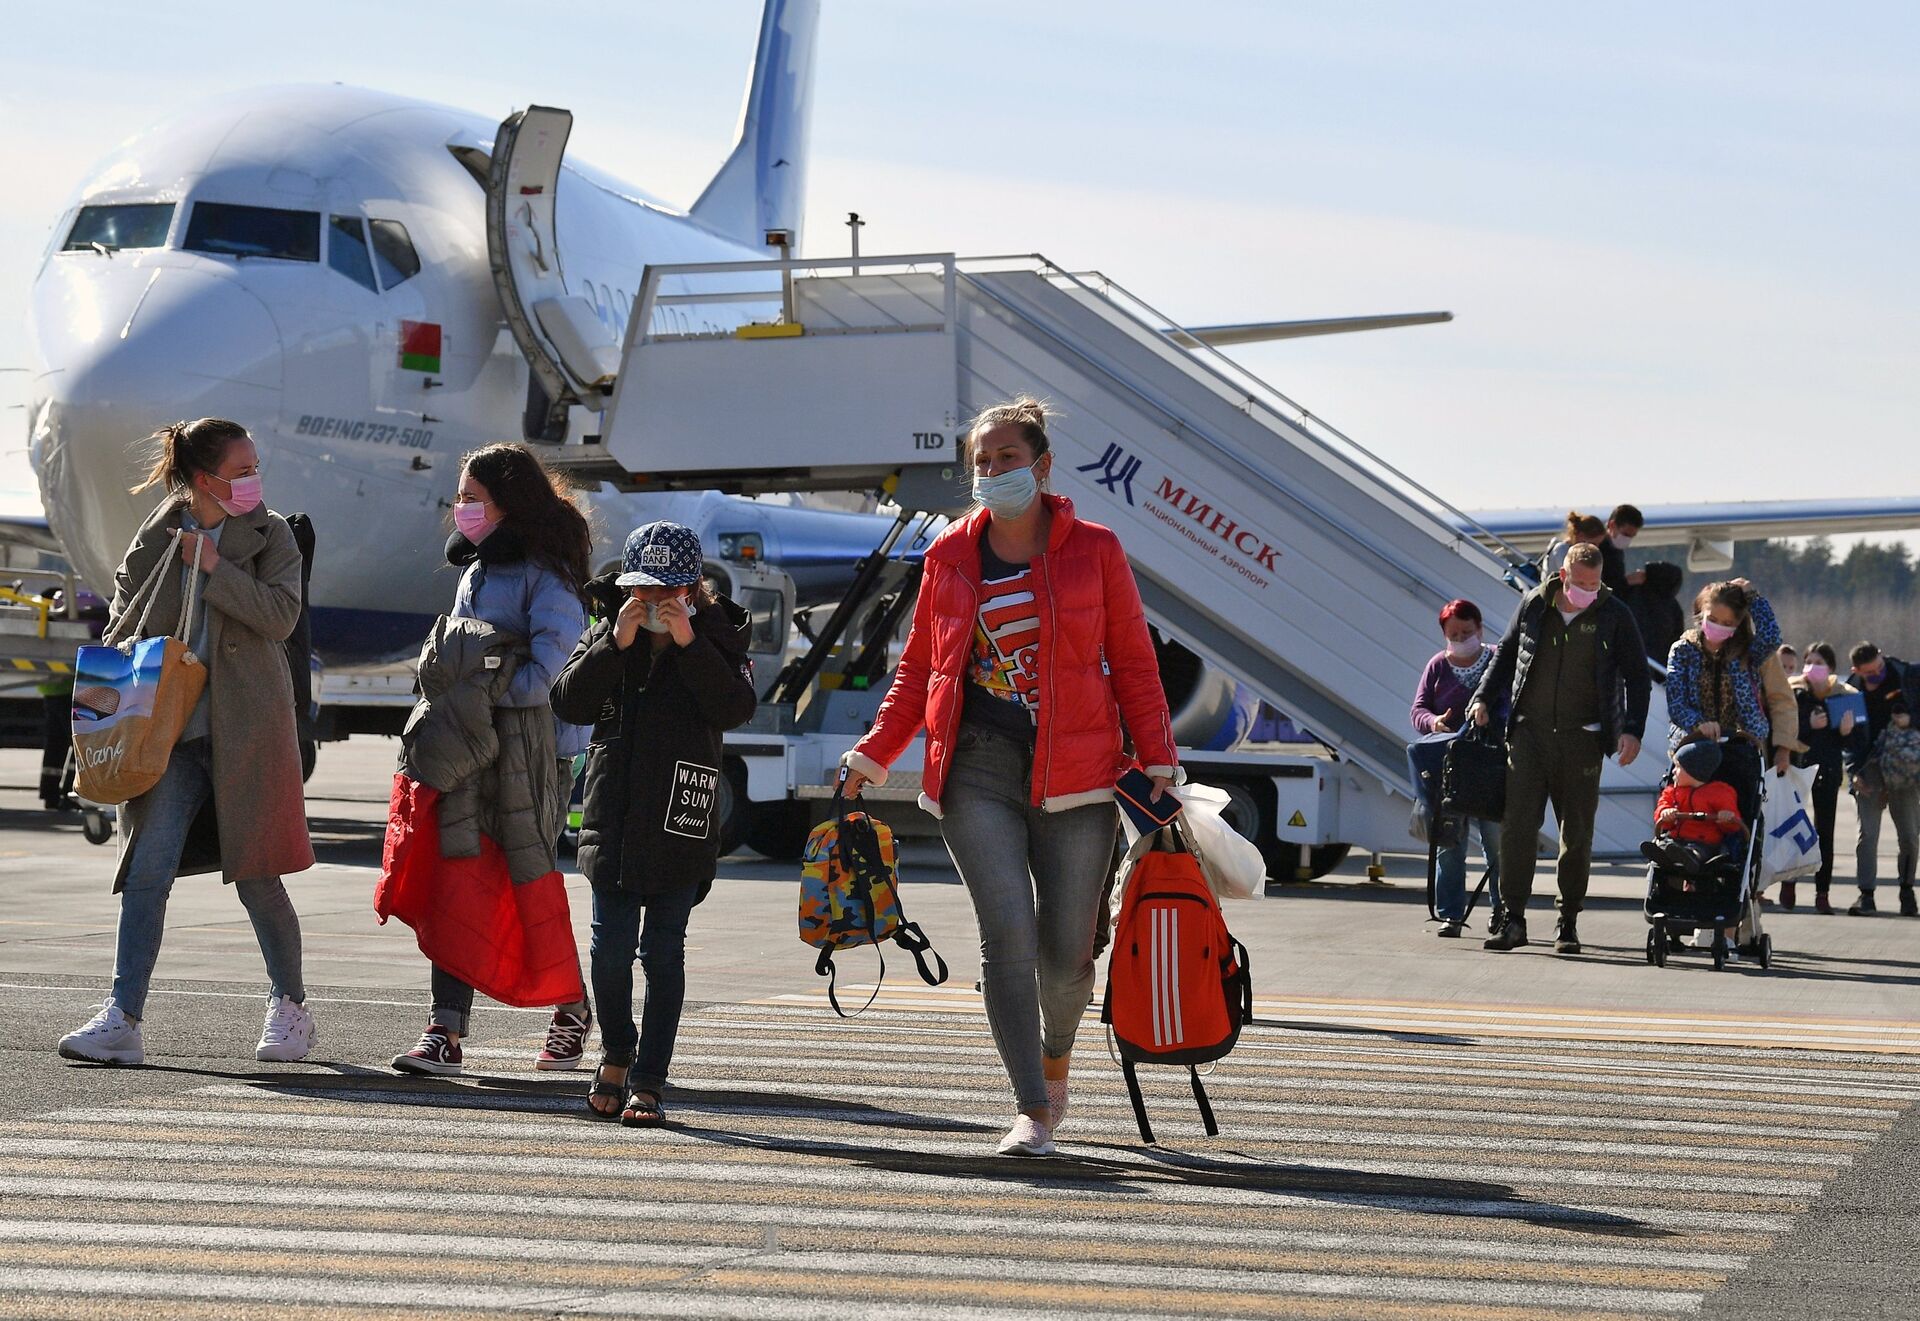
pixel 1826 803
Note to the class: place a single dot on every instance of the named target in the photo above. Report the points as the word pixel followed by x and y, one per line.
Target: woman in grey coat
pixel 231 798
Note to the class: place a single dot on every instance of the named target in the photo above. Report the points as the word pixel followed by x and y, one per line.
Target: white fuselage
pixel 310 358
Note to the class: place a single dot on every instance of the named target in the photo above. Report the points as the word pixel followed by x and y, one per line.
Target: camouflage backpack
pixel 850 895
pixel 1899 757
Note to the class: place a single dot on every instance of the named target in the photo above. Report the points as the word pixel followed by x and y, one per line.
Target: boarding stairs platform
pixel 1262 538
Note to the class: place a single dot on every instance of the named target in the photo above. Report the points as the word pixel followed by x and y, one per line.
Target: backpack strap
pixel 912 939
pixel 1241 985
pixel 1139 1103
pixel 823 967
pixel 1200 1099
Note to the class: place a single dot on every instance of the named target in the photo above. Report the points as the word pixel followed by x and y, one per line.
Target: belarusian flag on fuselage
pixel 420 346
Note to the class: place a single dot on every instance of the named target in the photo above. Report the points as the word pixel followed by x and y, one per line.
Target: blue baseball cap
pixel 660 554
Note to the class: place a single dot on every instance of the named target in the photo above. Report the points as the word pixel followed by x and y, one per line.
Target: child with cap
pixel 660 676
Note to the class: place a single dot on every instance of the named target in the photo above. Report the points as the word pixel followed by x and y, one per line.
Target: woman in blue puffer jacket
pixel 525 551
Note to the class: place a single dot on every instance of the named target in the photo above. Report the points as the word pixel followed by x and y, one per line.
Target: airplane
pixel 317 262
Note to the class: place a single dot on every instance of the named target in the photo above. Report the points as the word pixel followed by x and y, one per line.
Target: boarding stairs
pixel 1262 538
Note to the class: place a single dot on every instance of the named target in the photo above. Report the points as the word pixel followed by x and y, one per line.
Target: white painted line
pixel 1158 1090
pixel 120 1120
pixel 1166 1196
pixel 1256 1071
pixel 642 1251
pixel 731 1047
pixel 460 1104
pixel 788 1173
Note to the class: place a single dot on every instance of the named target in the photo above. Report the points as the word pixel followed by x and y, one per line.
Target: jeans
pixel 1562 768
pixel 1826 805
pixel 1903 805
pixel 1450 869
pixel 662 948
pixel 152 863
pixel 1036 880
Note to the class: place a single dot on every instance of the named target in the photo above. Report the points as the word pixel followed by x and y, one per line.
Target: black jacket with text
pixel 651 816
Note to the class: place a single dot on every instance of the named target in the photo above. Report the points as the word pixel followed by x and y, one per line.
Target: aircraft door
pixel 566 347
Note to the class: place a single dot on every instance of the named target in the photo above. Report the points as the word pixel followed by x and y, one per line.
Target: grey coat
pixel 495 766
pixel 256 824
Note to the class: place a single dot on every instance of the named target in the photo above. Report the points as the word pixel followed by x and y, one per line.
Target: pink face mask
pixel 471 518
pixel 1578 598
pixel 243 496
pixel 1817 675
pixel 1717 632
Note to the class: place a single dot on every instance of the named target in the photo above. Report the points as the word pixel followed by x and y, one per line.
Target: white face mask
pixel 1622 542
pixel 653 623
pixel 1008 495
pixel 1464 650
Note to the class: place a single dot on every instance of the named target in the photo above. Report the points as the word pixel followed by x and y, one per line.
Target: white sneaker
pixel 1056 1103
pixel 1027 1137
pixel 109 1037
pixel 288 1033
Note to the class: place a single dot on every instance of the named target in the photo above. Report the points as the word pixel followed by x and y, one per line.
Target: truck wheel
pixel 778 830
pixel 733 811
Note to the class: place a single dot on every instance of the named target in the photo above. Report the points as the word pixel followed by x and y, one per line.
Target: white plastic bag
pixel 1792 845
pixel 1229 860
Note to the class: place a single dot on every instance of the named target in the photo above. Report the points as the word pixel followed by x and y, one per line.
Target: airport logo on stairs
pixel 1116 468
pixel 1196 515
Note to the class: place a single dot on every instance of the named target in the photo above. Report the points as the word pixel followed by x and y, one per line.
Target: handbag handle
pixel 145 597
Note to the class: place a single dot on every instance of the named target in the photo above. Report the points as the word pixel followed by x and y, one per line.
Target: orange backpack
pixel 1179 988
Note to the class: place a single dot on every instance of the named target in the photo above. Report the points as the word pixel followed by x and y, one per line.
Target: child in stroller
pixel 1700 877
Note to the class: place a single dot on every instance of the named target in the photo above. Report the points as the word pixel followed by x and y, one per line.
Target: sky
pixel 1678 240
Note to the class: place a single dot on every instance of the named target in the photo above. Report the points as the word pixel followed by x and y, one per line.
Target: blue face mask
pixel 1008 495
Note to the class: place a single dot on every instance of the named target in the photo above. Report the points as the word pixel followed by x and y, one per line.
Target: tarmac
pixel 1413 1127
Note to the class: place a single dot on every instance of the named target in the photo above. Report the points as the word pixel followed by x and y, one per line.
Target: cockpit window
pixel 134 225
pixel 254 231
pixel 347 251
pixel 393 252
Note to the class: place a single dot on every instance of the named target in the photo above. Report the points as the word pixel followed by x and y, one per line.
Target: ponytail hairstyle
pixel 1584 527
pixel 1027 415
pixel 181 449
pixel 538 505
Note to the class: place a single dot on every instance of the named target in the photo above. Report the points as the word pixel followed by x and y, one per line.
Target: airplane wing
pixel 1707 527
pixel 1255 332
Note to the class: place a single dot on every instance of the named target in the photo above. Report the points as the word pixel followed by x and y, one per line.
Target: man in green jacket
pixel 1576 671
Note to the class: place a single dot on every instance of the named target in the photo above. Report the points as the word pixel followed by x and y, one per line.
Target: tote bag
pixel 132 696
pixel 1792 845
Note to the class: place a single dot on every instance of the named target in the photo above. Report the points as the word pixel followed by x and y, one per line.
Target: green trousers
pixel 1546 767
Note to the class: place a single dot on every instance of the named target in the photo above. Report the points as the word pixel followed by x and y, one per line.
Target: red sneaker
pixel 438 1053
pixel 566 1040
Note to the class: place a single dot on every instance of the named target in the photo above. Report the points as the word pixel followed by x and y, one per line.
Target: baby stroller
pixel 1710 896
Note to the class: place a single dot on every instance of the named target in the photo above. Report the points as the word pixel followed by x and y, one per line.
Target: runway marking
pixel 1407 1180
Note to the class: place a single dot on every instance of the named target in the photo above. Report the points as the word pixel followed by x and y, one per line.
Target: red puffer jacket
pixel 1097 666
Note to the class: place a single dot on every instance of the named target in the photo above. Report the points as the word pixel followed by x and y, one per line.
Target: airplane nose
pixel 123 349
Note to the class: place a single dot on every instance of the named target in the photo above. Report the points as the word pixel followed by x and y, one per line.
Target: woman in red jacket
pixel 1028 651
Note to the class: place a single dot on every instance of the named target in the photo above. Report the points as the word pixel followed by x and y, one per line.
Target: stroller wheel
pixel 1657 947
pixel 1719 952
pixel 95 826
pixel 1766 951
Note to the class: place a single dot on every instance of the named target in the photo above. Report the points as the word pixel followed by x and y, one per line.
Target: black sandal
pixel 643 1110
pixel 613 1090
